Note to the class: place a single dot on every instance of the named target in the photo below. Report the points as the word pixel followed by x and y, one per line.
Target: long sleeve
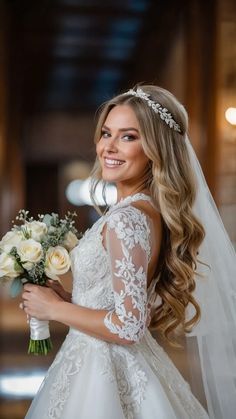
pixel 127 238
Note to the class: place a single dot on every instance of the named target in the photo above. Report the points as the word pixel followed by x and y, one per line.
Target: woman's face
pixel 120 148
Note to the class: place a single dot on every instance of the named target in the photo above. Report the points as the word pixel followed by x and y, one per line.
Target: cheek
pixel 138 156
pixel 99 148
pixel 142 162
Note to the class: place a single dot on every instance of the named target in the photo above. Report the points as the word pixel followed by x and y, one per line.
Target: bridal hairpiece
pixel 165 115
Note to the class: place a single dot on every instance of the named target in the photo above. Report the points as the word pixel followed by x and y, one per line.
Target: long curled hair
pixel 171 182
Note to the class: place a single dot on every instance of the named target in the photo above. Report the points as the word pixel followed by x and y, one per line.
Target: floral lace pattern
pixel 91 270
pixel 131 379
pixel 70 361
pixel 129 249
pixel 131 227
pixel 114 280
pixel 116 364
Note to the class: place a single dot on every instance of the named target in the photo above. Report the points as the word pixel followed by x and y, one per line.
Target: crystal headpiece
pixel 165 115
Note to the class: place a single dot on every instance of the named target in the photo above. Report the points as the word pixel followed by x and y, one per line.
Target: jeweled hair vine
pixel 163 112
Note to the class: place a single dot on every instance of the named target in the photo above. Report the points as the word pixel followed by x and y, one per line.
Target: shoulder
pixel 128 215
pixel 131 226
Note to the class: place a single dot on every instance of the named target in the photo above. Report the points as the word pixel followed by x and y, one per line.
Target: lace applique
pixel 131 227
pixel 85 271
pixel 71 359
pixel 128 246
pixel 91 271
pixel 131 380
pixel 120 365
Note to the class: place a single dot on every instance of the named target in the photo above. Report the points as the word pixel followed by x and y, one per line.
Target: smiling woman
pixel 138 268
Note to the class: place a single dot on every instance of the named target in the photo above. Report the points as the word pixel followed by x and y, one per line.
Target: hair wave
pixel 171 182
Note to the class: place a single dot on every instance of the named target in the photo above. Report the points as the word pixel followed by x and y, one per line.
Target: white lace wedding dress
pixel 94 379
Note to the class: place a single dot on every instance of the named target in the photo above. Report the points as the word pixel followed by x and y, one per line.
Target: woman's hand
pixel 40 302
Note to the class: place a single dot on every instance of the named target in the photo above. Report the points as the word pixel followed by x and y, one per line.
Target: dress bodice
pixel 91 270
pixel 115 278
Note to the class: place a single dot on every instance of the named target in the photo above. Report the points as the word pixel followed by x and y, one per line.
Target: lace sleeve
pixel 128 247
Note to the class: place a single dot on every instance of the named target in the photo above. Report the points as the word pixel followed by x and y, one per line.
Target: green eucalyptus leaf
pixel 47 219
pixel 55 219
pixel 18 265
pixel 16 287
pixel 13 251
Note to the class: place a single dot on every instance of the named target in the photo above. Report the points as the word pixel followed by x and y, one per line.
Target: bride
pixel 158 259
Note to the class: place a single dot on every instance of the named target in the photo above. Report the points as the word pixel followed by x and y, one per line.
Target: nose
pixel 111 145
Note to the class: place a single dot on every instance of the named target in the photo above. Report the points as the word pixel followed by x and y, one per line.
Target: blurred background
pixel 59 60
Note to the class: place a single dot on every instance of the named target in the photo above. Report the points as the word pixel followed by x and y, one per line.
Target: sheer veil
pixel 215 334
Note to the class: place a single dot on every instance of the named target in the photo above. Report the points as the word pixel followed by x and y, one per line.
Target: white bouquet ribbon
pixel 39 329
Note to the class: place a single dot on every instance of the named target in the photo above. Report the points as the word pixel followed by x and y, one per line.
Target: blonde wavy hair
pixel 171 182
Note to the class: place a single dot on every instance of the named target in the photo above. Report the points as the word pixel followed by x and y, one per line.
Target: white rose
pixel 37 229
pixel 57 262
pixel 30 252
pixel 10 240
pixel 70 241
pixel 9 266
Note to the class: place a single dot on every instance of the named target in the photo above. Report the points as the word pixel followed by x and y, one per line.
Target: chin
pixel 108 176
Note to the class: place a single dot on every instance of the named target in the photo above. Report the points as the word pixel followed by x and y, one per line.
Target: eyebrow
pixel 123 129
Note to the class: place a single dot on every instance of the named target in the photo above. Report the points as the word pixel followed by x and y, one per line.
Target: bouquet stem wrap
pixel 40 341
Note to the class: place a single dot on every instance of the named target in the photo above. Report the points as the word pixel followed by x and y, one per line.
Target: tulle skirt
pixel 93 379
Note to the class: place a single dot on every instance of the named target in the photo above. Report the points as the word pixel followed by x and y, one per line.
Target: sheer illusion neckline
pixel 132 198
pixel 139 196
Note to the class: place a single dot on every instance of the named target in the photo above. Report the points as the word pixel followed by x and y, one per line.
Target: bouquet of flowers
pixel 33 251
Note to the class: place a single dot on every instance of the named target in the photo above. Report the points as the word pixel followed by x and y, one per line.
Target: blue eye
pixel 129 137
pixel 105 134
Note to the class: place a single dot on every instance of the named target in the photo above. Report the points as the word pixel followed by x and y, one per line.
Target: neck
pixel 123 193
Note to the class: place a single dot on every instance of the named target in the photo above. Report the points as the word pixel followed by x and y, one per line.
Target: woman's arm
pixel 44 304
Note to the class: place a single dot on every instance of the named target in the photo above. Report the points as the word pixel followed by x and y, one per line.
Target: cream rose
pixel 10 240
pixel 30 252
pixel 57 262
pixel 37 229
pixel 9 266
pixel 70 241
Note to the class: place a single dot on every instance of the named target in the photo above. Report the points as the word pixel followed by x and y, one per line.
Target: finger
pixel 52 281
pixel 29 287
pixel 22 306
pixel 49 281
pixel 26 295
pixel 52 284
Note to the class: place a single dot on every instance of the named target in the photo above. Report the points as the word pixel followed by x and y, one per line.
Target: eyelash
pixel 130 136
